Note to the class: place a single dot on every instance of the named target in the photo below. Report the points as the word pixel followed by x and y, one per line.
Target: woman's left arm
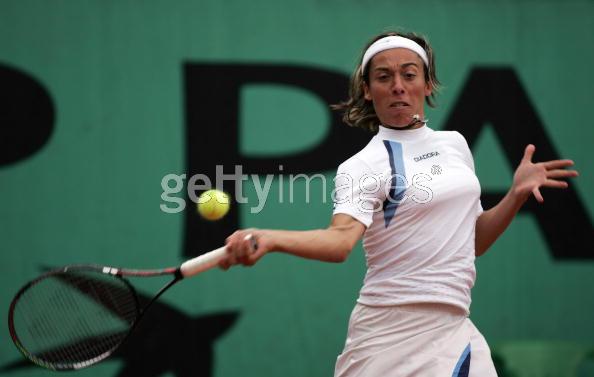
pixel 528 179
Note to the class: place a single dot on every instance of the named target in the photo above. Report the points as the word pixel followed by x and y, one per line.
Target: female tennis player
pixel 413 196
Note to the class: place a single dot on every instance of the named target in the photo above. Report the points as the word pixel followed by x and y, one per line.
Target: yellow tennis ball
pixel 213 204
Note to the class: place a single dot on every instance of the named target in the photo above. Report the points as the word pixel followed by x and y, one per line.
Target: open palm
pixel 530 177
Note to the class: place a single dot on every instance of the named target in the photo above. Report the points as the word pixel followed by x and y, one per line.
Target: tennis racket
pixel 78 315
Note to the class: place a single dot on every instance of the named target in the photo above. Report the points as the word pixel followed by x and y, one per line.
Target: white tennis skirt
pixel 424 340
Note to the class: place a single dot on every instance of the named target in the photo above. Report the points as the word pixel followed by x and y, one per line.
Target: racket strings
pixel 72 318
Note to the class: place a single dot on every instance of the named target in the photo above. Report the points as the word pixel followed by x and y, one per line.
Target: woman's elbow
pixel 344 251
pixel 339 257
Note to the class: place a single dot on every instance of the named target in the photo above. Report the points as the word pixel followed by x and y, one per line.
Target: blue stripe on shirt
pixel 398 185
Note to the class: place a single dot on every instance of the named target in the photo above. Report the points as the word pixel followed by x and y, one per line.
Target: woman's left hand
pixel 530 177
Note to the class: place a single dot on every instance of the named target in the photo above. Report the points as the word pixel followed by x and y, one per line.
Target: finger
pixel 555 184
pixel 252 241
pixel 529 152
pixel 537 195
pixel 255 256
pixel 231 258
pixel 559 173
pixel 224 264
pixel 231 245
pixel 244 259
pixel 239 251
pixel 249 246
pixel 243 248
pixel 257 250
pixel 556 164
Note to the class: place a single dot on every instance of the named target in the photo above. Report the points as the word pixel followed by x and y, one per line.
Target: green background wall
pixel 114 70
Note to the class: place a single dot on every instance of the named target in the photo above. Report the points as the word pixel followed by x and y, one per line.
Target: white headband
pixel 393 41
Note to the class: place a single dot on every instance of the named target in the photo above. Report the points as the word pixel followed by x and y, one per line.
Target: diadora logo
pixel 426 156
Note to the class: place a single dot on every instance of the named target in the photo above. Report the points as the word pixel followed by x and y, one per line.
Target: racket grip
pixel 203 262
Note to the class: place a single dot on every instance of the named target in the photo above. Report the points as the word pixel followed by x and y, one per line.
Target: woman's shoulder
pixel 452 136
pixel 362 160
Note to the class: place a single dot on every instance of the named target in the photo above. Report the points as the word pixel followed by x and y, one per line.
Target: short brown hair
pixel 359 112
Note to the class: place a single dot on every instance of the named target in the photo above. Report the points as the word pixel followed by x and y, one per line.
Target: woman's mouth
pixel 399 104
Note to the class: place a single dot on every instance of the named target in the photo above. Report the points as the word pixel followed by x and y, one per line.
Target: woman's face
pixel 397 86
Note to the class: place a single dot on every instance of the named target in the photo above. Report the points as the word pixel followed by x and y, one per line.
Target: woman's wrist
pixel 518 196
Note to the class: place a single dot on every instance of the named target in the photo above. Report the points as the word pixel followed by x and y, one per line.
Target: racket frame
pixel 189 268
pixel 84 268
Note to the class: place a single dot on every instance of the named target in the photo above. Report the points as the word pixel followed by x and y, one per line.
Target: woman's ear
pixel 428 90
pixel 366 92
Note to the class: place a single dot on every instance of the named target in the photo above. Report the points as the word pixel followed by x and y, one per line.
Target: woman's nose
pixel 397 87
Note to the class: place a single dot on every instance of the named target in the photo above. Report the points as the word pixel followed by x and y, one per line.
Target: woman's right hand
pixel 246 247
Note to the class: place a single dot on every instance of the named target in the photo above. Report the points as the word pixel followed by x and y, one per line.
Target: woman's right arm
pixel 332 244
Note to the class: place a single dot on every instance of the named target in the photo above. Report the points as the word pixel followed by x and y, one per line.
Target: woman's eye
pixel 410 75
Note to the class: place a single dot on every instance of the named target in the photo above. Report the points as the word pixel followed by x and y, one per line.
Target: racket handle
pixel 203 262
